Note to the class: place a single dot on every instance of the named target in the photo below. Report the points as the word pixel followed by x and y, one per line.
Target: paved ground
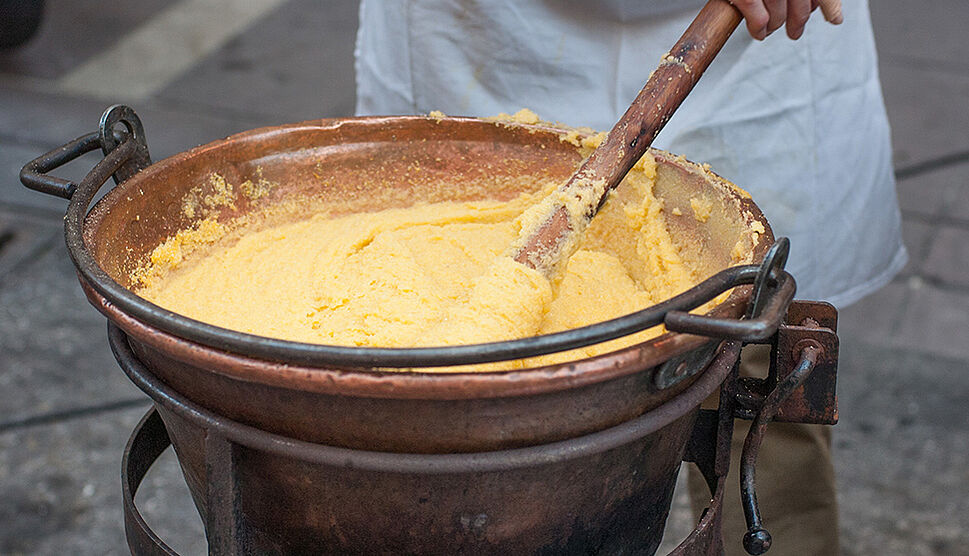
pixel 902 447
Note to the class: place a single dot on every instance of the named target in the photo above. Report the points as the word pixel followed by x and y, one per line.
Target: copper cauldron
pixel 345 398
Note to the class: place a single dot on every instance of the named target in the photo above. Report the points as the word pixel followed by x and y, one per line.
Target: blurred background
pixel 198 70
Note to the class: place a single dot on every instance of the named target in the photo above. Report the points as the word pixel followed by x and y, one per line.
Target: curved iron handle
pixel 773 292
pixel 129 145
pixel 34 173
pixel 748 330
pixel 757 540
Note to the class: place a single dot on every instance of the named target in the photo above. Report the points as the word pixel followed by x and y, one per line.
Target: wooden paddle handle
pixel 663 93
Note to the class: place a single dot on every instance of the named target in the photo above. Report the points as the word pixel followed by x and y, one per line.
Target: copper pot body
pixel 416 412
pixel 393 411
pixel 612 502
pixel 607 492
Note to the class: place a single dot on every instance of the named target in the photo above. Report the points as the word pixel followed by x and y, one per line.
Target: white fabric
pixel 800 124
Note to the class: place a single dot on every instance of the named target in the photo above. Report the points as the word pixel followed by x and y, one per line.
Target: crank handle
pixel 757 540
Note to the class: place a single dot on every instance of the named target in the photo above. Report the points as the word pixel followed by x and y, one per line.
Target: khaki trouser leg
pixel 795 483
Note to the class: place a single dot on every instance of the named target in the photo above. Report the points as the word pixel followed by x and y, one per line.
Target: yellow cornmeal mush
pixel 426 275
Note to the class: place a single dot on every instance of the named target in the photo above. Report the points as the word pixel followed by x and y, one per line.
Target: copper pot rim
pixel 412 384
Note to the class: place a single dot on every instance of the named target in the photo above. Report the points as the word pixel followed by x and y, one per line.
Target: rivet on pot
pixel 681 367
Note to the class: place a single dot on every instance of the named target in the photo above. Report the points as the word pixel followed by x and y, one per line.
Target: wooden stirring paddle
pixel 569 209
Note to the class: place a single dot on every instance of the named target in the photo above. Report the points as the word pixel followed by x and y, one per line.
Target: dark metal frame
pixel 149 440
pixel 788 387
pixel 225 527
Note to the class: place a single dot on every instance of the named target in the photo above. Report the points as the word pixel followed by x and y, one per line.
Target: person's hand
pixel 766 16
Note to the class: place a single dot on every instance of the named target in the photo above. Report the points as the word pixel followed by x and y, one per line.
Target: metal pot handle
pixel 773 292
pixel 125 151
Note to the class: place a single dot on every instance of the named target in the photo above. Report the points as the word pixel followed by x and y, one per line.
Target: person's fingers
pixel 756 15
pixel 832 11
pixel 778 14
pixel 766 16
pixel 798 12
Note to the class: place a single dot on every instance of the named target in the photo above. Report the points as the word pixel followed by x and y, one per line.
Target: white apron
pixel 799 124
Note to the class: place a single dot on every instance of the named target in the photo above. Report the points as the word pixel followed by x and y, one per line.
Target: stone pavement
pixel 902 446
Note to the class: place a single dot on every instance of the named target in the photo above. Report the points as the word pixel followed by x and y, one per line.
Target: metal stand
pixel 150 440
pixel 787 394
pixel 226 532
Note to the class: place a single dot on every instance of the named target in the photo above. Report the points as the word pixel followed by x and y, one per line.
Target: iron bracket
pixel 807 323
